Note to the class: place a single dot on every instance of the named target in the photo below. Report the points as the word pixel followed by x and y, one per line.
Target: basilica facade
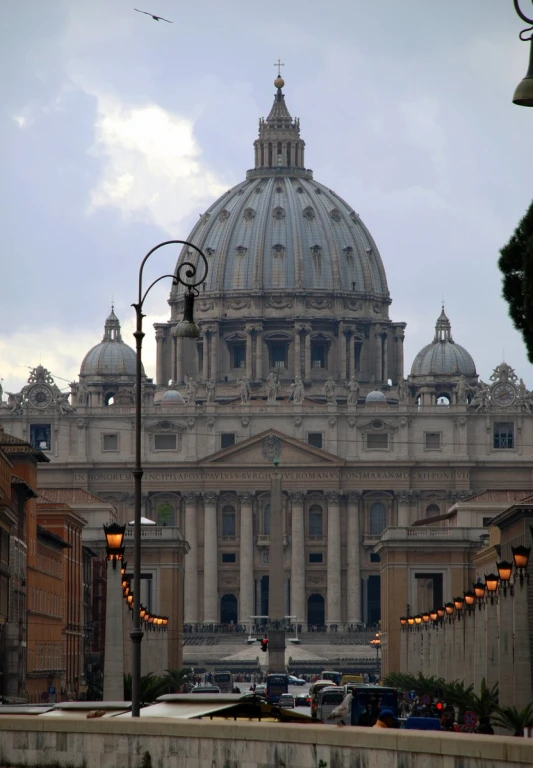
pixel 298 362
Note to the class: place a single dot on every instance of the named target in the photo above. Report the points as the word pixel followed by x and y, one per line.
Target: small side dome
pixel 443 357
pixel 375 397
pixel 173 397
pixel 112 357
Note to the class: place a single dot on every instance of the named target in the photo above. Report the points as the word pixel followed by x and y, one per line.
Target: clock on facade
pixel 503 393
pixel 40 396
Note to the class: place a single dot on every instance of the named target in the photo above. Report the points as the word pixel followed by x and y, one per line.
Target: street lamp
pixel 521 559
pixel 491 583
pixel 470 600
pixel 505 570
pixel 523 95
pixel 458 603
pixel 114 541
pixel 184 274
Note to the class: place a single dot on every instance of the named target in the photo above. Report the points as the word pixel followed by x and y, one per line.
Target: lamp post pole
pixel 185 329
pixel 523 95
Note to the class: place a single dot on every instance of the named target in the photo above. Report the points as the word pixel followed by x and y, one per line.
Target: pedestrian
pixel 386 719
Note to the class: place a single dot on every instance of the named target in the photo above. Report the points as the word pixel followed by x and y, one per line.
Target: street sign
pixel 470 719
pixel 51 690
pixel 411 695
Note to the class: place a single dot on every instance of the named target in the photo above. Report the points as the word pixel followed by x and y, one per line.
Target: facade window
pixel 266 520
pixel 228 521
pixel 316 557
pixel 278 354
pixel 378 519
pixel 40 436
pixel 315 439
pixel 238 355
pixel 110 442
pixel 504 434
pixel 229 557
pixel 227 439
pixel 319 354
pixel 358 346
pixel 377 442
pixel 200 353
pixel 375 558
pixel 432 510
pixel 432 441
pixel 165 442
pixel 315 520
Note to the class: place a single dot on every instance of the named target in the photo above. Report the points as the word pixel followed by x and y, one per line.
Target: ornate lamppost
pixel 523 95
pixel 114 635
pixel 185 274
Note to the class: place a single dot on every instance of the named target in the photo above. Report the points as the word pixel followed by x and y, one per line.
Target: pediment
pixel 260 450
pixel 165 425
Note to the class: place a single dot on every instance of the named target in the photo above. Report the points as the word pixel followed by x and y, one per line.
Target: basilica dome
pixel 443 357
pixel 112 357
pixel 282 230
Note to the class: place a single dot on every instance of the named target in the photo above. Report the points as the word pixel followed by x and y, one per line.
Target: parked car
pixel 296 680
pixel 261 689
pixel 302 700
pixel 286 700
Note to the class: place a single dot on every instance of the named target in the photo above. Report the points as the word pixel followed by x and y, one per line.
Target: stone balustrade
pixel 115 743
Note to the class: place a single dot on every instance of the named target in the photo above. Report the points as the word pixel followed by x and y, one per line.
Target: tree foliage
pixel 516 266
pixel 513 719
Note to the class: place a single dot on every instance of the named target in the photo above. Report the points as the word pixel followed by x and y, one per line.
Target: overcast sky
pixel 118 131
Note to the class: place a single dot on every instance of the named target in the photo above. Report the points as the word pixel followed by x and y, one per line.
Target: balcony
pixel 263 540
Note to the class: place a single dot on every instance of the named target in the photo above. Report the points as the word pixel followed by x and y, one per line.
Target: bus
pixel 335 677
pixel 224 680
pixel 276 684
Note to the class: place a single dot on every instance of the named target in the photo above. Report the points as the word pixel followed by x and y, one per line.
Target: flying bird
pixel 155 18
pixel 344 711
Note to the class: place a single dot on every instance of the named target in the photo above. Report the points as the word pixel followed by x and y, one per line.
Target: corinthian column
pixel 333 606
pixel 297 353
pixel 213 351
pixel 211 613
pixel 353 576
pixel 191 560
pixel 246 602
pixel 297 557
pixel 160 359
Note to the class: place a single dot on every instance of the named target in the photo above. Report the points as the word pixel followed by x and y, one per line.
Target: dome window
pixel 258 190
pixel 206 218
pixel 300 190
pixel 278 250
pixel 348 251
pixel 210 251
pixel 335 214
pixel 279 190
pixel 316 250
pixel 318 191
pixel 240 250
pixel 223 215
pixel 309 213
pixel 278 213
pixel 249 214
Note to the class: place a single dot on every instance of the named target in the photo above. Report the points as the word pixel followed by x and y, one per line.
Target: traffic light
pixel 439 706
pixel 264 644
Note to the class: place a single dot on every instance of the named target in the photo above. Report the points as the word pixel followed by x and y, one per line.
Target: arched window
pixel 228 521
pixel 316 525
pixel 165 514
pixel 378 518
pixel 266 520
pixel 432 510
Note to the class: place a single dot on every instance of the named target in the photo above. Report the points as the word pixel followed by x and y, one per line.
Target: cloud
pixel 23 121
pixel 152 166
